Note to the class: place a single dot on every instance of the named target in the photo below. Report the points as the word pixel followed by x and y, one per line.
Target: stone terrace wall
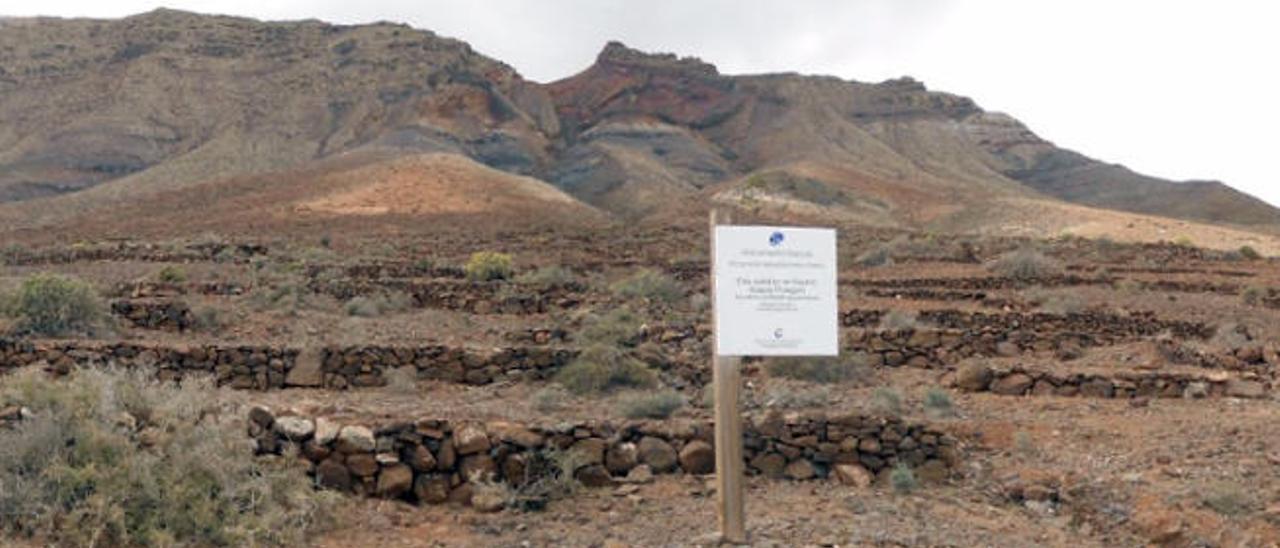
pixel 138 252
pixel 433 461
pixel 1018 381
pixel 981 282
pixel 472 297
pixel 260 367
pixel 165 315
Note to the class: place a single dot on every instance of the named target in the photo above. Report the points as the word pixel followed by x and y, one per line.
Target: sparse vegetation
pixel 53 305
pixel 600 369
pixel 1228 499
pixel 550 399
pixel 903 479
pixel 825 370
pixel 488 266
pixel 874 258
pixel 171 274
pixel 372 306
pixel 648 285
pixel 619 326
pixel 151 464
pixel 207 319
pixel 899 320
pixel 1025 264
pixel 1253 295
pixel 937 402
pixel 1024 445
pixel 653 405
pixel 789 398
pixel 1249 253
pixel 547 276
pixel 1057 301
pixel 887 401
pixel 1183 241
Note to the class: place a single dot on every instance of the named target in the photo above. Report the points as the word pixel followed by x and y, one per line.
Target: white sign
pixel 776 291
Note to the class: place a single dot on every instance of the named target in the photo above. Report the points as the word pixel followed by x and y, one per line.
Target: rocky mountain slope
pixel 100 114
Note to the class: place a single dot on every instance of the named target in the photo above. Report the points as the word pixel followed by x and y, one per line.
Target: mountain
pixel 102 117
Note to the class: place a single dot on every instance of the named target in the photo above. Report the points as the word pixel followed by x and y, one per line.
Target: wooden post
pixel 726 379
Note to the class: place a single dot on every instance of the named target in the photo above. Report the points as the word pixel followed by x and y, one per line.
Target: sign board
pixel 775 291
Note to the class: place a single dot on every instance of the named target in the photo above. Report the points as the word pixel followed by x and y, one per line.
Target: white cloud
pixel 1183 90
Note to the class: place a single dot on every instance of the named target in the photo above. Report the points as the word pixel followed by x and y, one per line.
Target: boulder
pixel 515 434
pixel 595 475
pixel 658 454
pixel 854 475
pixel 588 451
pixel 295 428
pixel 621 458
pixel 973 377
pixel 771 465
pixel 469 439
pixel 1014 384
pixel 355 439
pixel 332 474
pixel 1239 388
pixel 800 470
pixel 326 431
pixel 1097 388
pixel 431 489
pixel 362 464
pixel 420 458
pixel 394 480
pixel 698 457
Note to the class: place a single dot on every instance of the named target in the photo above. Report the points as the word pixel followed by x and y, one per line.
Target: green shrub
pixel 549 399
pixel 372 306
pixel 602 368
pixel 619 326
pixel 1248 252
pixel 1228 500
pixel 656 405
pixel 53 305
pixel 1253 295
pixel 171 274
pixel 1025 264
pixel 547 276
pixel 887 401
pixel 826 370
pixel 902 478
pixel 1183 241
pixel 649 285
pixel 938 402
pixel 116 458
pixel 488 266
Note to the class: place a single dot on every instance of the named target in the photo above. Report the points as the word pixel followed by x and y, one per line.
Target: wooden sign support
pixel 726 380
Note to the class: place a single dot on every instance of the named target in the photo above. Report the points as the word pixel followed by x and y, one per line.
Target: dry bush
pixel 488 266
pixel 654 405
pixel 550 399
pixel 1228 500
pixel 547 276
pixel 648 285
pixel 937 402
pixel 171 274
pixel 1249 253
pixel 903 479
pixel 1057 302
pixel 619 326
pixel 372 306
pixel 115 458
pixel 1025 264
pixel 880 256
pixel 849 368
pixel 1253 295
pixel 794 398
pixel 887 401
pixel 52 305
pixel 601 368
pixel 899 320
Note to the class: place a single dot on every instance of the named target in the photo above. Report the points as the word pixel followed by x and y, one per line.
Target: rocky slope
pixel 101 113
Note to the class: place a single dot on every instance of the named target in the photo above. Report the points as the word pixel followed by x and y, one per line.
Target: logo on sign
pixel 777 333
pixel 776 238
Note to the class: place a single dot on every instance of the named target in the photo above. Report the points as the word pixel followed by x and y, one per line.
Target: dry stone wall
pixel 433 461
pixel 161 314
pixel 1021 380
pixel 127 251
pixel 466 296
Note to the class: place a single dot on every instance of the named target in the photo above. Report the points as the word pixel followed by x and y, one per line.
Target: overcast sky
pixel 1182 90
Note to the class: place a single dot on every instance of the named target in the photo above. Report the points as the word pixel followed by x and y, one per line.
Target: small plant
pixel 372 306
pixel 1253 295
pixel 424 265
pixel 899 320
pixel 903 479
pixel 887 401
pixel 1249 253
pixel 1183 241
pixel 656 405
pixel 825 370
pixel 1024 445
pixel 488 266
pixel 207 319
pixel 649 285
pixel 326 241
pixel 547 276
pixel 787 398
pixel 1025 264
pixel 937 402
pixel 601 368
pixel 549 399
pixel 1228 500
pixel 54 305
pixel 172 274
pixel 619 326
pixel 875 258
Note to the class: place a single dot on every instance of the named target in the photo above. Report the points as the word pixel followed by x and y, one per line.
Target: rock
pixel 332 474
pixel 307 369
pixel 1238 388
pixel 640 474
pixel 800 470
pixel 394 480
pixel 932 471
pixel 1196 390
pixel 698 457
pixel 431 489
pixel 771 465
pixel 588 451
pixel 362 464
pixel 355 439
pixel 295 428
pixel 261 416
pixel 1097 388
pixel 469 439
pixel 488 500
pixel 326 431
pixel 621 458
pixel 1007 349
pixel 595 475
pixel 515 434
pixel 1015 384
pixel 854 475
pixel 420 458
pixel 973 377
pixel 474 467
pixel 657 453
